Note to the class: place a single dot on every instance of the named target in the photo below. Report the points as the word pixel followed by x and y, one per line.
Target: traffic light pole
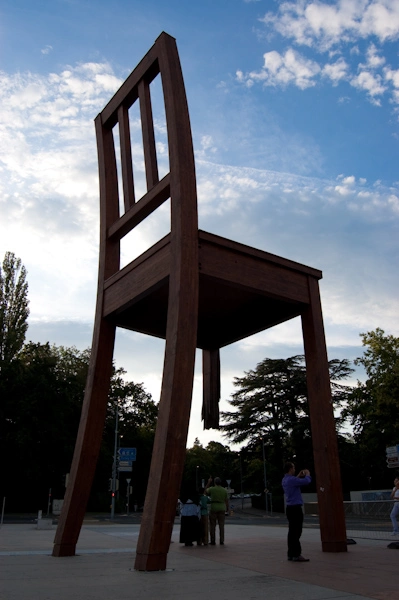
pixel 264 472
pixel 114 465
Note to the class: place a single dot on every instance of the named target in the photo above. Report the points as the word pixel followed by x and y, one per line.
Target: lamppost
pixel 117 462
pixel 196 478
pixel 128 490
pixel 264 472
pixel 242 493
pixel 114 464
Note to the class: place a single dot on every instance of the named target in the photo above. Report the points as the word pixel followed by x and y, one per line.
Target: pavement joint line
pixel 83 551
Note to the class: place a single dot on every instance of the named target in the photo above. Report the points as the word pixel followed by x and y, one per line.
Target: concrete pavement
pixel 251 565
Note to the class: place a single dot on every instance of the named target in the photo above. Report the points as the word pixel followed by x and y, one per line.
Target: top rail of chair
pixel 127 94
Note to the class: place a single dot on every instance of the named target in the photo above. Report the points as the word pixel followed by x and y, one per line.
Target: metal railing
pixel 364 519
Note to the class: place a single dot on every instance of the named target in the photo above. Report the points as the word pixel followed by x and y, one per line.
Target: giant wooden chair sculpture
pixel 193 289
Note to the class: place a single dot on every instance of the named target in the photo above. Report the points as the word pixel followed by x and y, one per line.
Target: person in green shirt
pixel 219 505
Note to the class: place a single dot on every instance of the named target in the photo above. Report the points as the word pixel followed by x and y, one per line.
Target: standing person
pixel 219 505
pixel 395 511
pixel 190 520
pixel 203 503
pixel 293 499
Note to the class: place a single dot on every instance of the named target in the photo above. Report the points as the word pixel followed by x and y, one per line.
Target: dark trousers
pixel 219 517
pixel 204 530
pixel 295 522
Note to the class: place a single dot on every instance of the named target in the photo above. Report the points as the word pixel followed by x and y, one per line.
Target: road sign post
pixel 392 457
pixel 128 480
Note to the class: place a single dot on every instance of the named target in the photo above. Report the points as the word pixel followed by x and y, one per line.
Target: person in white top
pixel 395 511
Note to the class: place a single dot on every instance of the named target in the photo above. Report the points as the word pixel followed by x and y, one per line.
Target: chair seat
pixel 242 291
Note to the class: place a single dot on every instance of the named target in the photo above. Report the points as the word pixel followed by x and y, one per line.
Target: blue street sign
pixel 127 454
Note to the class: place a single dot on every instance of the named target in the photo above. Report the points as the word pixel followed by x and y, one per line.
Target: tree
pixel 14 309
pixel 271 403
pixel 40 416
pixel 373 406
pixel 271 409
pixel 216 460
pixel 41 410
pixel 136 406
pixel 138 415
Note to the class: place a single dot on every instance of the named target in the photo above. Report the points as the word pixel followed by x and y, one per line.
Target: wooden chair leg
pixel 211 388
pixel 175 404
pixel 325 447
pixel 168 457
pixel 88 442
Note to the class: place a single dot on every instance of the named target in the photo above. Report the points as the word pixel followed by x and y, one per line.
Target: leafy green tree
pixel 137 421
pixel 135 404
pixel 41 413
pixel 271 404
pixel 41 416
pixel 216 460
pixel 271 417
pixel 14 309
pixel 373 406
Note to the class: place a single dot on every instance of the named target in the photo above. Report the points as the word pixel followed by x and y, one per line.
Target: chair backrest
pixel 179 184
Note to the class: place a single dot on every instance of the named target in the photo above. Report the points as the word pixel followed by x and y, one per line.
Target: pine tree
pixel 14 309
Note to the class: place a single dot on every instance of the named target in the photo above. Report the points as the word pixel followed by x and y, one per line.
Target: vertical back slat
pixel 126 157
pixel 109 197
pixel 147 126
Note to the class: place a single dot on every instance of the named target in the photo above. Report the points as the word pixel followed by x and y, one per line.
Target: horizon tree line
pixel 42 388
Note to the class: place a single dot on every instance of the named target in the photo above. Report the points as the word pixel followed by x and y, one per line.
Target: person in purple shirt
pixel 293 501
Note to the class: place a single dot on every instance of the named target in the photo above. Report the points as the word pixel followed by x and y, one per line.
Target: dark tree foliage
pixel 14 309
pixel 41 409
pixel 373 407
pixel 41 406
pixel 216 460
pixel 271 408
pixel 137 421
pixel 271 403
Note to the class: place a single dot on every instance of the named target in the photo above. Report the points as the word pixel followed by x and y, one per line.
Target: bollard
pixel 43 523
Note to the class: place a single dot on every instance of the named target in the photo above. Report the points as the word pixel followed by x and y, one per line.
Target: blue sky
pixel 295 116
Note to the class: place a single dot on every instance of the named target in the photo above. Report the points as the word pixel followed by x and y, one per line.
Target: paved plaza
pixel 251 565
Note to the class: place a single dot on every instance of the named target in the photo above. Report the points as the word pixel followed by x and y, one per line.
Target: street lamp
pixel 114 464
pixel 128 491
pixel 242 493
pixel 117 462
pixel 264 472
pixel 196 478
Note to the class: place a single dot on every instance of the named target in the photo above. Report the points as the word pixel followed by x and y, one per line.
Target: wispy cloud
pixel 325 25
pixel 332 29
pixel 347 226
pixel 337 71
pixel 49 204
pixel 282 70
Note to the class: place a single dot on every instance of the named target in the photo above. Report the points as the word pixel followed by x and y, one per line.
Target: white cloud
pixel 350 180
pixel 278 69
pixel 368 82
pixel 380 18
pixel 324 25
pixel 49 217
pixel 392 75
pixel 336 71
pixel 393 200
pixel 208 147
pixel 285 194
pixel 335 28
pixel 374 61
